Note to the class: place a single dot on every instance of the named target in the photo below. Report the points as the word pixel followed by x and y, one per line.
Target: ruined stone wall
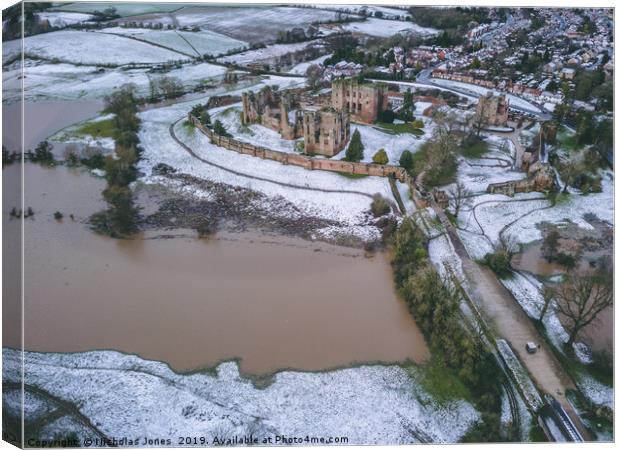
pixel 270 109
pixel 541 179
pixel 325 132
pixel 364 101
pixel 306 162
pixel 494 109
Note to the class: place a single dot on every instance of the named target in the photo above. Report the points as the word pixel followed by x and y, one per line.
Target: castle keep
pixel 326 131
pixel 493 109
pixel 364 101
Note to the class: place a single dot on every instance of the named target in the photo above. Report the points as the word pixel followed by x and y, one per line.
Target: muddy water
pixel 532 260
pixel 599 334
pixel 43 119
pixel 274 302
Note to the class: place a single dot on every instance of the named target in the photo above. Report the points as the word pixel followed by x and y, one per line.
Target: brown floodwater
pixel 532 260
pixel 598 334
pixel 42 119
pixel 274 302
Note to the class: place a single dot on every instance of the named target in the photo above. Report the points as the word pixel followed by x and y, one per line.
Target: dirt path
pixel 510 322
pixel 514 138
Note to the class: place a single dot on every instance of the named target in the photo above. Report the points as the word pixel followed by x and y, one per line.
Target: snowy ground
pixel 386 28
pixel 490 215
pixel 192 43
pixel 301 68
pixel 347 208
pixel 122 9
pixel 85 47
pixel 262 54
pixel 71 82
pixel 256 134
pixel 127 396
pixel 72 135
pixel 374 139
pixel 62 19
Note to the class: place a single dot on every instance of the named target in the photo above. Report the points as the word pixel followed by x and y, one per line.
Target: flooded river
pixel 42 119
pixel 271 301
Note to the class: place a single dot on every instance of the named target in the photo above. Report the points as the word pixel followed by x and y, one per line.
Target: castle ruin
pixel 493 109
pixel 271 109
pixel 363 100
pixel 325 130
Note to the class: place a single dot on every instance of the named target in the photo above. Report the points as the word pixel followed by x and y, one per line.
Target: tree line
pixel 434 304
pixel 121 217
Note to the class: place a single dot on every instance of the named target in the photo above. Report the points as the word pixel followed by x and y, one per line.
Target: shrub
pixel 58 215
pixel 93 158
pixel 43 153
pixel 406 160
pixel 379 206
pixel 498 262
pixel 418 123
pixel 387 116
pixel 566 260
pixel 355 150
pixel 380 157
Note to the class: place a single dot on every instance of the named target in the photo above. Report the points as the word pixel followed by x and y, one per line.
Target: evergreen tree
pixel 406 160
pixel 406 112
pixel 355 151
pixel 219 128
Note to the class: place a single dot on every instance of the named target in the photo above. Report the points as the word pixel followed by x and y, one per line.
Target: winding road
pixel 511 323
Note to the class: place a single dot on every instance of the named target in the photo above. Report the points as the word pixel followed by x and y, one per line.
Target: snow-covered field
pixel 62 19
pixel 386 28
pixel 253 24
pixel 262 54
pixel 71 82
pixel 192 43
pixel 300 69
pixel 374 139
pixel 85 47
pixel 122 9
pixel 128 396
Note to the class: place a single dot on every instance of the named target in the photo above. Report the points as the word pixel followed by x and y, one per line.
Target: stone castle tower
pixel 326 131
pixel 364 101
pixel 494 109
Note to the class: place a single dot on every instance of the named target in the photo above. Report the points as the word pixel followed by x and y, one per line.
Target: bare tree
pixel 547 293
pixel 460 197
pixel 581 298
pixel 480 117
pixel 313 76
